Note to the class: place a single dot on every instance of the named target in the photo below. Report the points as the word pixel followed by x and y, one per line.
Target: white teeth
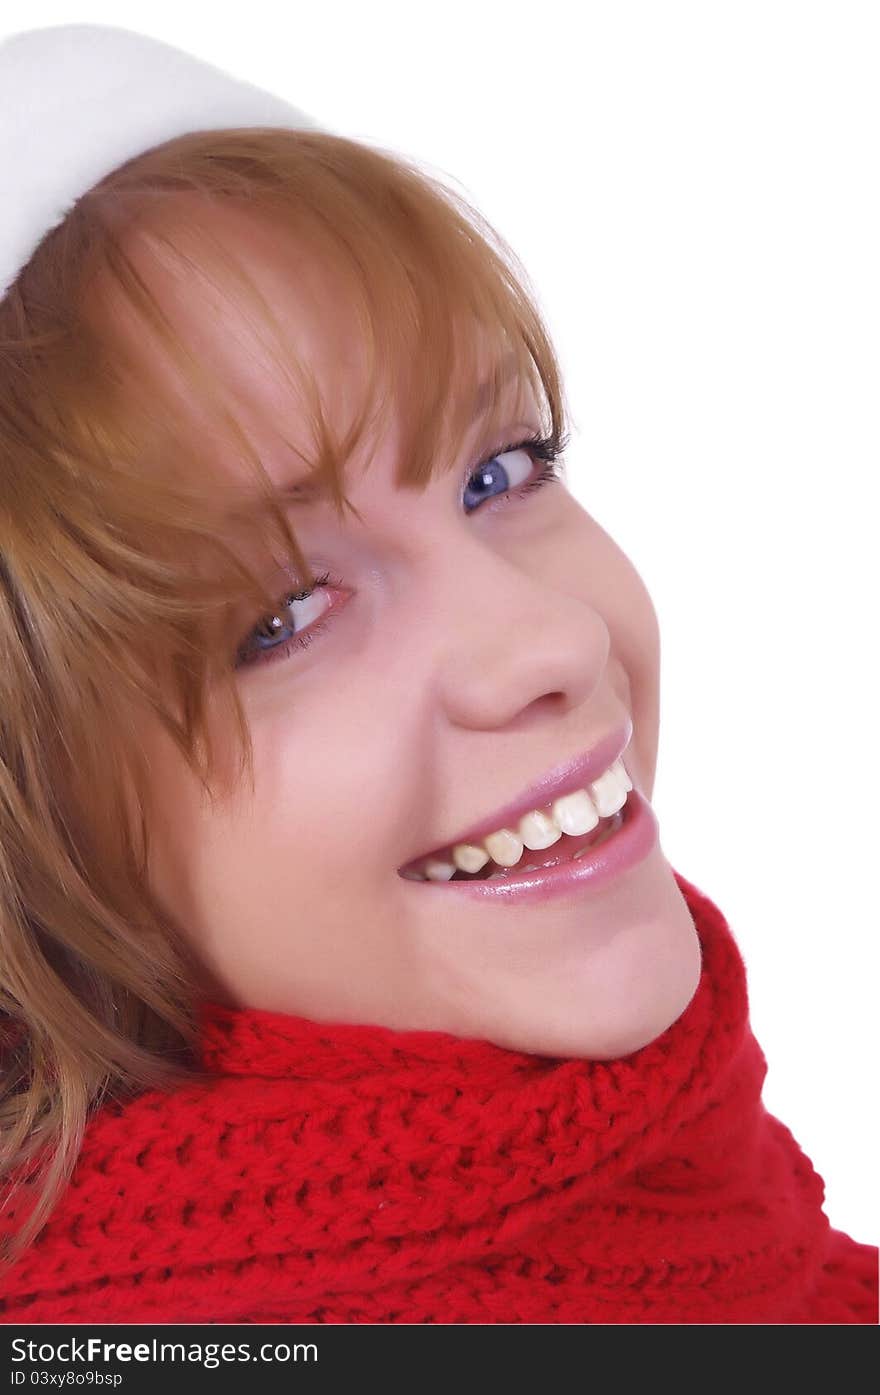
pixel 538 830
pixel 504 847
pixel 608 793
pixel 575 812
pixel 620 769
pixel 468 857
pixel 439 871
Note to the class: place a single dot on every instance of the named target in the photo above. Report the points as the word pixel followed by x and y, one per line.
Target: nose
pixel 515 647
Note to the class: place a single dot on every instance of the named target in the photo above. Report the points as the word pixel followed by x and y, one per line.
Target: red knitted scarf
pixel 360 1174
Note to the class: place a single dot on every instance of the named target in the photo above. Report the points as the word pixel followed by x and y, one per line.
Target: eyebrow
pixel 313 491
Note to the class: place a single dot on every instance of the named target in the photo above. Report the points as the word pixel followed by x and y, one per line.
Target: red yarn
pixel 360 1174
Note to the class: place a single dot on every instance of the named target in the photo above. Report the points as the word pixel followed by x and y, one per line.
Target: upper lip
pixel 573 774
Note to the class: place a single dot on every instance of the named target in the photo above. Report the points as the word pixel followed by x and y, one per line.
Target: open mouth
pixel 566 849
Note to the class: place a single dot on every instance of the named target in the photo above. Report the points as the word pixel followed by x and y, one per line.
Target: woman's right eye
pixel 258 646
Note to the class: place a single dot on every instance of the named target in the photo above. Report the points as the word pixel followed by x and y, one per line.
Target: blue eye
pixel 259 645
pixel 510 468
pixel 507 473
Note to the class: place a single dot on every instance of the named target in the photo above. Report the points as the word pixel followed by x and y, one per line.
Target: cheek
pixel 616 590
pixel 175 821
pixel 299 844
pixel 635 645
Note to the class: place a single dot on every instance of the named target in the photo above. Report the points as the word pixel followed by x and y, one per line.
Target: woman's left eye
pixel 510 467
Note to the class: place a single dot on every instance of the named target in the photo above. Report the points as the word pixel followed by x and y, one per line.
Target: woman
pixel 344 977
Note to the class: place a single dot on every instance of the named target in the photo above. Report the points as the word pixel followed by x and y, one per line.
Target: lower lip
pixel 631 844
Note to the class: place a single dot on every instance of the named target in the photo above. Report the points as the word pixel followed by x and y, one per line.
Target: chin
pixel 617 1000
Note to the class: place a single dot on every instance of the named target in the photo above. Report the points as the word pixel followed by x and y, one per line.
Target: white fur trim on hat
pixel 78 100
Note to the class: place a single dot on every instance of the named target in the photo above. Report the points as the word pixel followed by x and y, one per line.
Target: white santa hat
pixel 78 100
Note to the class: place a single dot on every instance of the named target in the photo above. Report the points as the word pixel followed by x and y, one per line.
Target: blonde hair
pixel 118 566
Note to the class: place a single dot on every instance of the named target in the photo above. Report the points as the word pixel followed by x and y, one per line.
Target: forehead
pixel 247 303
pixel 265 322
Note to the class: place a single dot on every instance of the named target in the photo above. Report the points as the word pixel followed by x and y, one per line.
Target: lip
pixel 571 775
pixel 630 845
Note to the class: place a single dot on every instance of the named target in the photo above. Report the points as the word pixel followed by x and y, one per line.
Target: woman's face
pixel 468 648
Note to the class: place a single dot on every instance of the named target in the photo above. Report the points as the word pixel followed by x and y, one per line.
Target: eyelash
pixel 545 448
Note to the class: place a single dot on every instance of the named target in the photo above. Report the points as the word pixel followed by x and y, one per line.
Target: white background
pixel 693 188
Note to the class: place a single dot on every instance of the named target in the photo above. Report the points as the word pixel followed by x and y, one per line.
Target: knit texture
pixel 334 1174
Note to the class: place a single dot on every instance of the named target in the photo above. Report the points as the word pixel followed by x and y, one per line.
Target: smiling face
pixel 471 636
